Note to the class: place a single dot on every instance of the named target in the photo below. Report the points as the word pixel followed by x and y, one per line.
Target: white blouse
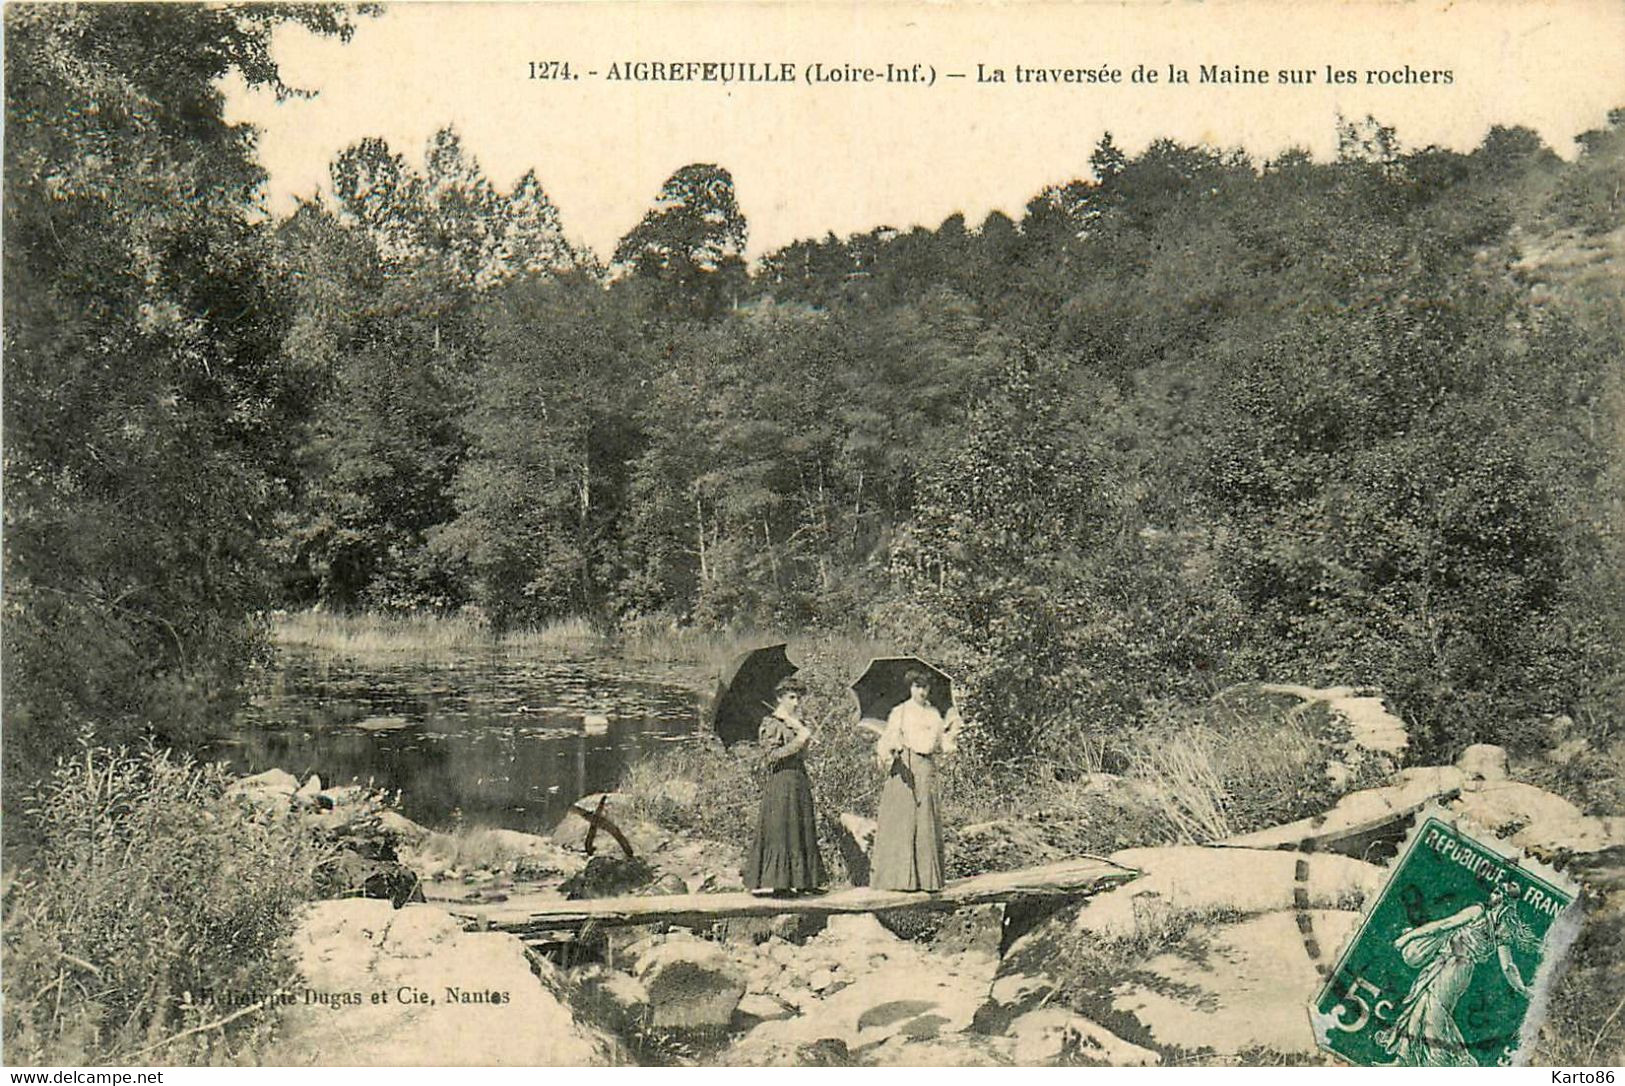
pixel 919 728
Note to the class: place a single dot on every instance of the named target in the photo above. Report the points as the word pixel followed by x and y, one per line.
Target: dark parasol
pixel 745 692
pixel 882 686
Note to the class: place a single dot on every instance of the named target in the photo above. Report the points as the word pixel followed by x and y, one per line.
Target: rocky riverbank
pixel 1211 955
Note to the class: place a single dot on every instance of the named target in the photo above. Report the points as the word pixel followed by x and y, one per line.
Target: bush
pixel 155 904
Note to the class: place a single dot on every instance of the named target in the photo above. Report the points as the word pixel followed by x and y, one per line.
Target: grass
pixel 425 634
pixel 650 641
pixel 153 888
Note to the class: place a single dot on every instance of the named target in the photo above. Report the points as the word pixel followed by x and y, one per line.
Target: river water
pixel 488 737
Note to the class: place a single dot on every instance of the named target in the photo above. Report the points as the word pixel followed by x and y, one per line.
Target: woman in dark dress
pixel 784 858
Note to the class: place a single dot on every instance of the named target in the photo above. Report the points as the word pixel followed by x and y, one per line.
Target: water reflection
pixel 498 738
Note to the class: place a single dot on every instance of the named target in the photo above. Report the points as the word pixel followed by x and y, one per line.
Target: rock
pixel 345 795
pixel 1190 878
pixel 493 1004
pixel 785 928
pixel 1583 835
pixel 644 837
pixel 1230 986
pixel 1483 762
pixel 825 1052
pixel 353 875
pixel 856 933
pixel 272 780
pixel 271 791
pixel 1372 728
pixel 667 885
pixel 856 838
pixel 961 1050
pixel 1506 808
pixel 918 997
pixel 979 929
pixel 765 1008
pixel 692 984
pixel 1052 1034
pixel 608 876
pixel 530 856
pixel 307 794
pixel 400 829
pixel 820 980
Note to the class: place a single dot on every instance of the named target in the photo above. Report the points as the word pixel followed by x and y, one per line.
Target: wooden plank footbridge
pixel 1052 884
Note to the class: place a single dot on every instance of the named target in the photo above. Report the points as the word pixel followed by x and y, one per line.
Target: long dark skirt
pixel 907 853
pixel 785 853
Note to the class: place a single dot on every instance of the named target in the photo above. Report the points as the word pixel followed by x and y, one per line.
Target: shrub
pixel 155 904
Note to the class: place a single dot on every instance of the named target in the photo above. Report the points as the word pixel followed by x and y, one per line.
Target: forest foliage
pixel 1191 419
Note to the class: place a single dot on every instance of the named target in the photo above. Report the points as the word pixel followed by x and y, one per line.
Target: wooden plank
pixel 1071 878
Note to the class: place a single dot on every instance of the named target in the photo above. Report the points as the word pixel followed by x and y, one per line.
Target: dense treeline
pixel 1194 418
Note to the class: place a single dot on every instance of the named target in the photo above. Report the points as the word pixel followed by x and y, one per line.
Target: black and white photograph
pixel 813 534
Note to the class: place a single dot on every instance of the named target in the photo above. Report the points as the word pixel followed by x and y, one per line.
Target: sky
pixel 846 157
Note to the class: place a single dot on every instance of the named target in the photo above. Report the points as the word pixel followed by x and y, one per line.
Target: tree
pixel 147 410
pixel 691 242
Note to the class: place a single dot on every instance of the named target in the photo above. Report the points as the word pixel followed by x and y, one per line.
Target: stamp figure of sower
pixel 1446 953
pixel 1416 985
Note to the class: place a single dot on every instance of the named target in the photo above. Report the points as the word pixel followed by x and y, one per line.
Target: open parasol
pixel 882 687
pixel 745 692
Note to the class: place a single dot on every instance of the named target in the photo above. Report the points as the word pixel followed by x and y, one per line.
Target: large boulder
pixel 1483 762
pixel 610 997
pixel 1228 986
pixel 1193 879
pixel 609 876
pixel 1185 897
pixel 692 984
pixel 1373 731
pixel 1506 808
pixel 271 791
pixel 410 988
pixel 351 874
pixel 401 830
pixel 571 831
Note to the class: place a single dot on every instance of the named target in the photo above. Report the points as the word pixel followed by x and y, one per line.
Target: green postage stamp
pixel 1451 965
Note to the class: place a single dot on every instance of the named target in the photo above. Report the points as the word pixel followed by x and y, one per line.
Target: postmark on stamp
pixel 1451 965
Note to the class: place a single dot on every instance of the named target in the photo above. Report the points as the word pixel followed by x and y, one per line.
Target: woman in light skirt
pixel 907 853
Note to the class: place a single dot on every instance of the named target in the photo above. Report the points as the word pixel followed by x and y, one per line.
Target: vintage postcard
pixel 814 534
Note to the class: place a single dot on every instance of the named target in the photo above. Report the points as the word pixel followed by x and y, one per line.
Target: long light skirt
pixel 908 840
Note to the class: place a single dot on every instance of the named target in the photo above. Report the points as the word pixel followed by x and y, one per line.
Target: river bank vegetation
pixel 1195 419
